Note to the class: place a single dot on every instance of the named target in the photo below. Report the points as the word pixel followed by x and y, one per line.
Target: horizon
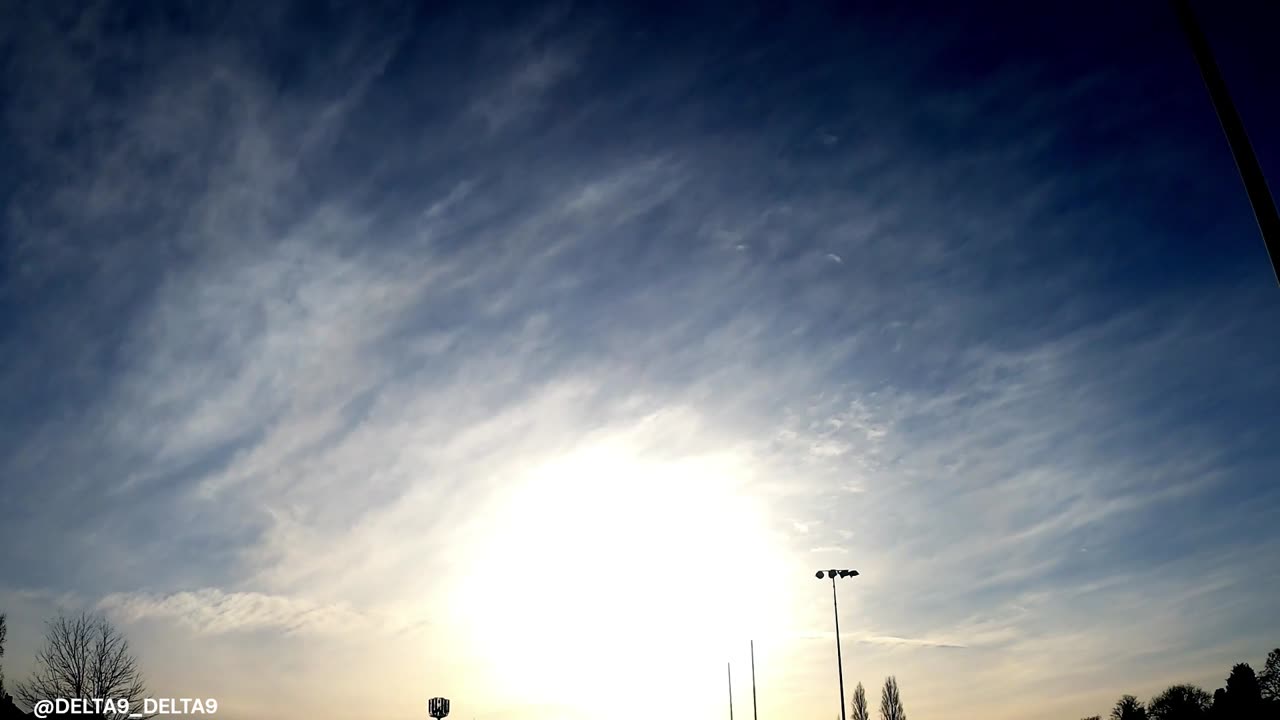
pixel 367 353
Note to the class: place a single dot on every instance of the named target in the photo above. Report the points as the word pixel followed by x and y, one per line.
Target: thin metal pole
pixel 754 714
pixel 839 660
pixel 730 667
pixel 1255 185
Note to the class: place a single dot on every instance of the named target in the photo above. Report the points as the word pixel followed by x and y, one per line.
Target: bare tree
pixel 1129 708
pixel 4 632
pixel 860 711
pixel 1269 678
pixel 1180 702
pixel 891 701
pixel 85 657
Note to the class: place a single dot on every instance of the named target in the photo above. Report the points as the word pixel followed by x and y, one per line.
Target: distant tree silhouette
pixel 891 701
pixel 1092 717
pixel 1219 709
pixel 4 632
pixel 1246 696
pixel 1269 678
pixel 860 711
pixel 1242 696
pixel 1242 684
pixel 1180 702
pixel 84 657
pixel 1129 708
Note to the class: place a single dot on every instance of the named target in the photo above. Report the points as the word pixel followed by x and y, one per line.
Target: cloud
pixel 295 338
pixel 889 641
pixel 212 612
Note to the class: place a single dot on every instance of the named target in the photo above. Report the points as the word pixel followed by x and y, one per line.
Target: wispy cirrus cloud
pixel 212 611
pixel 299 325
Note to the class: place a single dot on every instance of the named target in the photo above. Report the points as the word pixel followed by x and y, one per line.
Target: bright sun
pixel 610 572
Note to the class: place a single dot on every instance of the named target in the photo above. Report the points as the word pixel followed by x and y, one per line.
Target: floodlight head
pixel 844 573
pixel 438 707
pixel 853 573
pixel 832 573
pixel 819 575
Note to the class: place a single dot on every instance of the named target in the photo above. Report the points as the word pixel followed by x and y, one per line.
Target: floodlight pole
pixel 835 607
pixel 839 660
pixel 729 666
pixel 755 715
pixel 1255 185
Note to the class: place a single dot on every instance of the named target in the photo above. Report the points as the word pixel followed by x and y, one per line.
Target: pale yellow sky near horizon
pixel 586 592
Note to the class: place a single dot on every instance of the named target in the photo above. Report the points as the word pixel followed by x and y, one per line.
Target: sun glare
pixel 609 570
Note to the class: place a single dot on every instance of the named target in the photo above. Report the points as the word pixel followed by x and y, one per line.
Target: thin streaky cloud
pixel 314 319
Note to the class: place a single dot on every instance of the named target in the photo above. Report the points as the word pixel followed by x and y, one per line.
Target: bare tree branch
pixel 85 657
pixel 891 701
pixel 860 710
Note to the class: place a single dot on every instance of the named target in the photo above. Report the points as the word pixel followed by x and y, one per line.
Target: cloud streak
pixel 212 611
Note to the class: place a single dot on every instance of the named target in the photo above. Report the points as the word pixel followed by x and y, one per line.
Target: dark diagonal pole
pixel 729 666
pixel 839 660
pixel 1255 185
pixel 754 714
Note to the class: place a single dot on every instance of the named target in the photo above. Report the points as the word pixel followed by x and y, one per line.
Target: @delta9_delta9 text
pixel 122 707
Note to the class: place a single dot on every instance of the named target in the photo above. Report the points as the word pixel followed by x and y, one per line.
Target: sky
pixel 358 353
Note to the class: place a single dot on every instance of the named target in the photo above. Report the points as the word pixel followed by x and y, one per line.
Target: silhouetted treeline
pixel 1245 696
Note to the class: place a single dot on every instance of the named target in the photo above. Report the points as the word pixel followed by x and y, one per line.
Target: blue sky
pixel 362 354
